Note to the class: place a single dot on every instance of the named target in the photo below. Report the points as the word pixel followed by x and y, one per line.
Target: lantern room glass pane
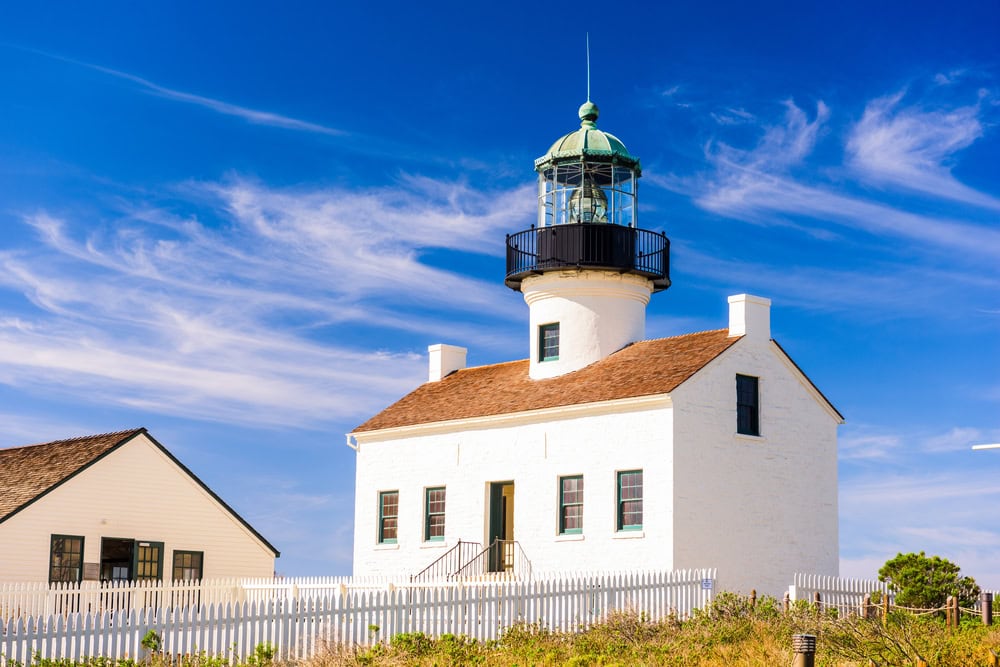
pixel 574 192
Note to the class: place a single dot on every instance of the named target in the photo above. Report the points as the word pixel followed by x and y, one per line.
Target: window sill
pixel 428 544
pixel 629 535
pixel 386 546
pixel 749 438
pixel 570 537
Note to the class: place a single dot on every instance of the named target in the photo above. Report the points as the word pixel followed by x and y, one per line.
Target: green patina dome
pixel 589 142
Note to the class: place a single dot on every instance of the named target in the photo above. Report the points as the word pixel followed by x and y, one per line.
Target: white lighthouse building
pixel 602 450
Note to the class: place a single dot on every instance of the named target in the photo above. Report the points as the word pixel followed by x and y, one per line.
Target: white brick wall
pixel 534 454
pixel 759 509
pixel 762 508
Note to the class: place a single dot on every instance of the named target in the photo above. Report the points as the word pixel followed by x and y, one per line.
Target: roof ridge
pixel 122 433
pixel 692 333
pixel 644 340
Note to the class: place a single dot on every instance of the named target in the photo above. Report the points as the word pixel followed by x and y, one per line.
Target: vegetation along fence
pixel 297 625
pixel 866 596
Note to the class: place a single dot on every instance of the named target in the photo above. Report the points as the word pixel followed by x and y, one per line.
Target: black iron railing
pixel 588 246
pixel 449 563
pixel 504 557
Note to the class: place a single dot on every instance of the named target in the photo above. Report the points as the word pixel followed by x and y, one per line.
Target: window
pixel 434 523
pixel 65 558
pixel 747 406
pixel 148 561
pixel 188 565
pixel 548 342
pixel 388 516
pixel 571 505
pixel 630 500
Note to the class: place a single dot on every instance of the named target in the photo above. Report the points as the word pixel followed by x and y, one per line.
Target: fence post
pixel 753 598
pixel 986 607
pixel 818 600
pixel 786 602
pixel 866 607
pixel 805 650
pixel 949 612
pixel 885 608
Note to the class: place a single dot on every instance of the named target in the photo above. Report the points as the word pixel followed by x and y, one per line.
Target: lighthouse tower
pixel 586 269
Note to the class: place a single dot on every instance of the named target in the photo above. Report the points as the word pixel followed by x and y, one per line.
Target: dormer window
pixel 747 405
pixel 548 342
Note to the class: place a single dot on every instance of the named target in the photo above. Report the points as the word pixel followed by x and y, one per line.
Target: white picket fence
pixel 847 595
pixel 44 599
pixel 298 626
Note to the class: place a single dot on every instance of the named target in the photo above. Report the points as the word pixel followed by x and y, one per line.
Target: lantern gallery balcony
pixel 584 245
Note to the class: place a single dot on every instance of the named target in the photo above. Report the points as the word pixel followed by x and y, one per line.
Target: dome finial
pixel 588 111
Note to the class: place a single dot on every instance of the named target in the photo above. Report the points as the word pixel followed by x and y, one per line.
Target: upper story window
pixel 388 517
pixel 66 558
pixel 434 516
pixel 747 405
pixel 571 505
pixel 548 342
pixel 630 500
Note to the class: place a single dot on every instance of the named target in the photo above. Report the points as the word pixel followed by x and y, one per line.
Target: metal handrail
pixel 445 566
pixel 496 555
pixel 588 245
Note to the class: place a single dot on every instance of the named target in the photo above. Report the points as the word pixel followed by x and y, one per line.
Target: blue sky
pixel 240 225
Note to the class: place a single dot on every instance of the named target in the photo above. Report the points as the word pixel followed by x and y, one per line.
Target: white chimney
pixel 445 359
pixel 750 316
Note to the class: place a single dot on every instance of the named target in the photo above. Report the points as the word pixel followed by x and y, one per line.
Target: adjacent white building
pixel 603 450
pixel 117 506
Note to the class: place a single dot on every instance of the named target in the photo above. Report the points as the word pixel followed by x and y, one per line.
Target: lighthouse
pixel 585 268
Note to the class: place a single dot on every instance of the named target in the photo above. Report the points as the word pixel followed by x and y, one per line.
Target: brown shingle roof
pixel 642 369
pixel 28 472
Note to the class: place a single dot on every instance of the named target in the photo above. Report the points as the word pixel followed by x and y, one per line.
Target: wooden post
pixel 866 607
pixel 818 600
pixel 986 607
pixel 786 602
pixel 885 608
pixel 949 614
pixel 753 598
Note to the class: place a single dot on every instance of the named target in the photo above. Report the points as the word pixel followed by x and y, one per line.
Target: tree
pixel 926 582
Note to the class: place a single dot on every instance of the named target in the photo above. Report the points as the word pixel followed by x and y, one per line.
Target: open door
pixel 500 522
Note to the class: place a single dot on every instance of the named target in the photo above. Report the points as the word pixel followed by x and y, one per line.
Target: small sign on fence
pixel 706 584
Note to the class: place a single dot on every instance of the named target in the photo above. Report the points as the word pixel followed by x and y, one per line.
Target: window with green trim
pixel 66 558
pixel 548 342
pixel 571 505
pixel 388 516
pixel 188 565
pixel 434 514
pixel 148 561
pixel 630 500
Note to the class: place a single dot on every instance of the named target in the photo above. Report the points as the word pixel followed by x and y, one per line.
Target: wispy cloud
pixel 255 116
pixel 219 321
pixel 779 179
pixel 911 147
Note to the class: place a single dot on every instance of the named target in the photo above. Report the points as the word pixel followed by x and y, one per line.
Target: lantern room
pixel 588 212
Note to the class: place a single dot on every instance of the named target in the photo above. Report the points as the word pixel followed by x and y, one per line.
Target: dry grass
pixel 733 634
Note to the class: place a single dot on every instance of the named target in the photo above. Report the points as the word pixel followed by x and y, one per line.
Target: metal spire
pixel 588 66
